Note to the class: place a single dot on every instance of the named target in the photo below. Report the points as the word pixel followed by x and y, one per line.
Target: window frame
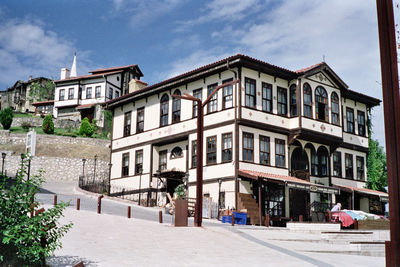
pixel 293 105
pixel 214 100
pixel 360 169
pixel 267 140
pixel 214 151
pixel 337 165
pixel 333 113
pixel 249 95
pixel 267 87
pixel 194 154
pixel 226 136
pixel 164 102
pixel 245 149
pixel 349 156
pixel 227 97
pixel 307 91
pixel 110 93
pixel 140 111
pixel 350 122
pixel 137 163
pixel 281 91
pixel 127 127
pixel 125 169
pixel 71 95
pixel 98 91
pixel 281 156
pixel 89 92
pixel 361 126
pixel 161 164
pixel 61 95
pixel 176 107
pixel 195 103
pixel 321 96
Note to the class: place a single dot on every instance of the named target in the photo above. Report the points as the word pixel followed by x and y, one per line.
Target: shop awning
pixel 383 196
pixel 289 181
pixel 87 106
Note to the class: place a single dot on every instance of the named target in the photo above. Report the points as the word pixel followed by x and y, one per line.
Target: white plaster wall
pixel 177 163
pixel 212 188
pixel 322 127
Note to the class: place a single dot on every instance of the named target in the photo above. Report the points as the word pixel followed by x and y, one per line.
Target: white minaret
pixel 73 68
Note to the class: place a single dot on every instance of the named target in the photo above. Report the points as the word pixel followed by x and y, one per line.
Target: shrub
pixel 48 125
pixel 94 126
pixel 21 235
pixel 86 129
pixel 26 125
pixel 180 191
pixel 6 118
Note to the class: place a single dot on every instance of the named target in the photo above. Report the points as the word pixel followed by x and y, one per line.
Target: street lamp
pixel 219 195
pixel 3 156
pixel 83 167
pixel 199 147
pixel 94 168
pixel 109 178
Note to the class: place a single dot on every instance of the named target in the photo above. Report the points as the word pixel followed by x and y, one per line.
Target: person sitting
pixel 337 207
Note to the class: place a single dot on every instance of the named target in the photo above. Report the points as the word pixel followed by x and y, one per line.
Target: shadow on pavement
pixel 64 261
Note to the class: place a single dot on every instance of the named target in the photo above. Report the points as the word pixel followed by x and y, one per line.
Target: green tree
pixel 6 118
pixel 48 125
pixel 26 240
pixel 42 91
pixel 86 128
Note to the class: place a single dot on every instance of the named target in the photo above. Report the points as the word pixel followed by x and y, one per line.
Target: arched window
pixel 314 163
pixel 176 107
pixel 293 102
pixel 164 110
pixel 335 109
pixel 307 100
pixel 322 155
pixel 176 152
pixel 321 104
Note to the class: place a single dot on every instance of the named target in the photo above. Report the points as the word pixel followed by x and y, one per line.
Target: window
pixel 98 91
pixel 360 168
pixel 227 147
pixel 211 150
pixel 125 164
pixel 71 93
pixel 267 97
pixel 194 153
pixel 264 150
pixel 127 124
pixel 221 198
pixel 62 94
pixel 248 147
pixel 335 109
pixel 176 107
pixel 350 120
pixel 139 162
pixel 321 104
pixel 337 164
pixel 116 94
pixel 361 123
pixel 250 91
pixel 227 94
pixel 322 162
pixel 282 101
pixel 212 105
pixel 279 153
pixel 293 102
pixel 89 93
pixel 140 120
pixel 314 163
pixel 307 100
pixel 349 165
pixel 164 110
pixel 197 94
pixel 110 93
pixel 176 152
pixel 162 161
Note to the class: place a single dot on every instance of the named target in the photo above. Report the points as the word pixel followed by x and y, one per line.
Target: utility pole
pixel 391 108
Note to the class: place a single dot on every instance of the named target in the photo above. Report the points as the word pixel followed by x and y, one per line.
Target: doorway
pixel 299 204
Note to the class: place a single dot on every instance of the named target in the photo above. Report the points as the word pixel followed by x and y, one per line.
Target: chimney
pixel 135 85
pixel 64 73
pixel 30 77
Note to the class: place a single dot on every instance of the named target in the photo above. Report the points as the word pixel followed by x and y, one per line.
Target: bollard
pixel 129 212
pixel 329 216
pixel 300 218
pixel 267 220
pixel 355 224
pixel 99 204
pixel 78 203
pixel 55 200
pixel 233 219
pixel 160 216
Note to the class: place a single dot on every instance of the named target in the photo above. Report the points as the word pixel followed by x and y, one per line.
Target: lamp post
pixel 83 167
pixel 3 156
pixel 109 178
pixel 199 147
pixel 94 168
pixel 219 195
pixel 186 182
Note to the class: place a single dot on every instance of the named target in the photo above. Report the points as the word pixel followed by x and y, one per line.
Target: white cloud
pixel 26 48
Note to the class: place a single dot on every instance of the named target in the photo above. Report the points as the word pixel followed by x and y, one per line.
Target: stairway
pixel 246 201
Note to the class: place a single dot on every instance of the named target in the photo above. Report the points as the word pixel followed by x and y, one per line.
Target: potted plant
pixel 181 206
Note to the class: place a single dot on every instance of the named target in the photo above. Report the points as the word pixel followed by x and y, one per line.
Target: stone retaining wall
pixel 38 121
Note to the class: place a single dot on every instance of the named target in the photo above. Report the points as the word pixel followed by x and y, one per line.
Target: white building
pixel 80 96
pixel 299 135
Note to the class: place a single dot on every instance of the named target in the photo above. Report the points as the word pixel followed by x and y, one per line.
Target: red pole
pixel 199 166
pixel 160 216
pixel 55 200
pixel 267 219
pixel 99 204
pixel 78 204
pixel 391 108
pixel 233 219
pixel 129 212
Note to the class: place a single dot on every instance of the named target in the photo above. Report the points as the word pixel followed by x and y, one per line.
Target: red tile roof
pixel 89 76
pixel 362 190
pixel 43 103
pixel 278 177
pixel 113 68
pixel 142 82
pixel 310 67
pixel 84 106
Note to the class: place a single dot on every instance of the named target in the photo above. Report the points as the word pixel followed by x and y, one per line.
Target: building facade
pixel 78 97
pixel 283 142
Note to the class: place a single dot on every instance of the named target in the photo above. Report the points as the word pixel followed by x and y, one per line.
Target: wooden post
pixel 259 202
pixel 355 224
pixel 55 200
pixel 160 216
pixel 99 204
pixel 233 219
pixel 300 218
pixel 78 204
pixel 267 219
pixel 129 212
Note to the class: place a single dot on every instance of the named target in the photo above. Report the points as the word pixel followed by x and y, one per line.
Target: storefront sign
pixel 314 188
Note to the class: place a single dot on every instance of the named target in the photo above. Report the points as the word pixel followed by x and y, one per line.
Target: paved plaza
pixel 111 239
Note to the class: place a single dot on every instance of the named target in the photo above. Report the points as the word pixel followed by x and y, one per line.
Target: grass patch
pixel 60 132
pixel 23 115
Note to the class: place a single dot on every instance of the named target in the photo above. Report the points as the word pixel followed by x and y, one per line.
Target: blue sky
pixel 168 37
